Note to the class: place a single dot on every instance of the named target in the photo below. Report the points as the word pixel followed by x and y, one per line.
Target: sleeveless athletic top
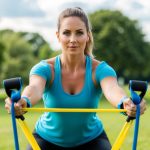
pixel 70 129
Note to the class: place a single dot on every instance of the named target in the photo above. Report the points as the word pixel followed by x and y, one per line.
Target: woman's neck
pixel 72 62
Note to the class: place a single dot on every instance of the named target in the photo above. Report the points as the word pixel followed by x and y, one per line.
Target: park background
pixel 121 35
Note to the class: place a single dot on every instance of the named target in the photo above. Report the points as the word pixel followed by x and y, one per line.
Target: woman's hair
pixel 78 12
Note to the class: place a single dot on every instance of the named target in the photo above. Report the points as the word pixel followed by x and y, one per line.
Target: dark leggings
pixel 99 143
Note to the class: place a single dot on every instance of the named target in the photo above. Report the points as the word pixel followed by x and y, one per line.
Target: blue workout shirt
pixel 70 129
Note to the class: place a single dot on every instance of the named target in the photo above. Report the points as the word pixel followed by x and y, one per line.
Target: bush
pixel 2 96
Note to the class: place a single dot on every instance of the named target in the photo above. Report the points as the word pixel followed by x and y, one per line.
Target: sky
pixel 41 15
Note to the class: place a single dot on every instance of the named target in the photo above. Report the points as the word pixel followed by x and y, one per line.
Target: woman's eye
pixel 66 33
pixel 79 33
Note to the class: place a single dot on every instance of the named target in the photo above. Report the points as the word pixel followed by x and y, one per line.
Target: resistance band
pixel 28 134
pixel 72 110
pixel 13 89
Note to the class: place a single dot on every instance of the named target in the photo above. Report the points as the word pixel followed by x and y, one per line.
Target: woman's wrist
pixel 120 104
pixel 27 101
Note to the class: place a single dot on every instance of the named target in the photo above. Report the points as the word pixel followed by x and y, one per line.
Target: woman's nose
pixel 73 39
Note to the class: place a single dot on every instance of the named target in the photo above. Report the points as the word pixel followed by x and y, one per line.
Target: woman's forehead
pixel 72 22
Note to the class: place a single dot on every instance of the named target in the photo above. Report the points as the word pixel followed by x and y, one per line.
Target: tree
pixel 35 39
pixel 120 41
pixel 21 52
pixel 2 47
pixel 45 52
pixel 18 58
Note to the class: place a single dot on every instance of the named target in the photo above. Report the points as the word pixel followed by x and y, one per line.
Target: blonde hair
pixel 78 12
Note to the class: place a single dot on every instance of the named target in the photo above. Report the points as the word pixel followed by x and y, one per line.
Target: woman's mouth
pixel 72 46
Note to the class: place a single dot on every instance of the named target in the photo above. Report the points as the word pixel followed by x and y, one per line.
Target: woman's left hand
pixel 131 107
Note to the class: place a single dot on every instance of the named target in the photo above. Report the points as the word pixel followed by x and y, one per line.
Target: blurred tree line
pixel 118 41
pixel 19 51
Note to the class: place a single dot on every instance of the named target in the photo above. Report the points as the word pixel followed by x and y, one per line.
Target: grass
pixel 113 122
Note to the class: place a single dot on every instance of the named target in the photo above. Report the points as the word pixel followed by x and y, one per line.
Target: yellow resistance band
pixel 72 110
pixel 31 139
pixel 122 136
pixel 28 134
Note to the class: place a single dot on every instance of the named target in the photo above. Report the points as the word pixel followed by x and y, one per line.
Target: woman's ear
pixel 57 35
pixel 88 36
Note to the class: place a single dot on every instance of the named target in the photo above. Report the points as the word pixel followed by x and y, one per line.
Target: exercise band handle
pixel 13 84
pixel 141 86
pixel 136 85
pixel 13 88
pixel 137 98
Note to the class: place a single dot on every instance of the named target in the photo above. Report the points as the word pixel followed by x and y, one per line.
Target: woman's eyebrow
pixel 80 29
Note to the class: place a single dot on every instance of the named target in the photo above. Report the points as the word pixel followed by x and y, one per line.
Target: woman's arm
pixel 35 89
pixel 114 94
pixel 33 92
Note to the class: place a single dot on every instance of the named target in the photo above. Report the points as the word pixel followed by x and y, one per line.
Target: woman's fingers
pixel 8 104
pixel 131 110
pixel 17 109
pixel 142 107
pixel 17 106
pixel 131 107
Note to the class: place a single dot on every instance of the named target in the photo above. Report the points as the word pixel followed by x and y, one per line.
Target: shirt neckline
pixel 85 79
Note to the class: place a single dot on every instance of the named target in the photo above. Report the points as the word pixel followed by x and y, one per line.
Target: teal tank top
pixel 70 129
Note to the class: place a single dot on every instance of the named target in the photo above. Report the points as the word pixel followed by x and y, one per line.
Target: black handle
pixel 137 85
pixel 13 84
pixel 13 90
pixel 140 86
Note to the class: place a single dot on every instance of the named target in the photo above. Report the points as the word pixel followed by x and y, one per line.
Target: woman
pixel 73 79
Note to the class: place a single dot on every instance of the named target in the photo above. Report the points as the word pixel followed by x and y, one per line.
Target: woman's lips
pixel 72 46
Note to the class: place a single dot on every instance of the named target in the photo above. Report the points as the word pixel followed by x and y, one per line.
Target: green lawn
pixel 113 122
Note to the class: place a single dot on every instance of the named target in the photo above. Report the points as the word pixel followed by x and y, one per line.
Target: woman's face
pixel 73 35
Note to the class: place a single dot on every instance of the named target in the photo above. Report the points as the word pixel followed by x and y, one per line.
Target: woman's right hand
pixel 18 106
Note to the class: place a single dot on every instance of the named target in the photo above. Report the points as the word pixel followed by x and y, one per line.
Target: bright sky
pixel 41 15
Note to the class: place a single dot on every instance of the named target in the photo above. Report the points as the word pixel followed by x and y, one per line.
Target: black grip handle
pixel 20 117
pixel 12 84
pixel 138 85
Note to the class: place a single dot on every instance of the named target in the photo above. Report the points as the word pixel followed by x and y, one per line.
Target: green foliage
pixel 55 53
pixel 35 40
pixel 120 41
pixel 2 47
pixel 18 57
pixel 45 52
pixel 19 52
pixel 2 96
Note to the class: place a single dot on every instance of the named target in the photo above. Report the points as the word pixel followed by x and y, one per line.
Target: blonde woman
pixel 73 79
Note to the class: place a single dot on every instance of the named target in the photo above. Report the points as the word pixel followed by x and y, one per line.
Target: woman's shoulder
pixel 51 61
pixel 95 63
pixel 102 70
pixel 98 64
